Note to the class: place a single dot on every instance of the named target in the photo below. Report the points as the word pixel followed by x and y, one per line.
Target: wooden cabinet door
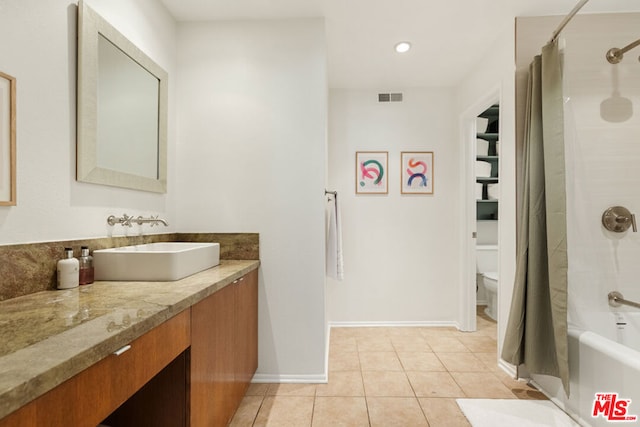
pixel 246 331
pixel 224 346
pixel 212 354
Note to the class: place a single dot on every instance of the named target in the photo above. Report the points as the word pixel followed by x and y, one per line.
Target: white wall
pixel 39 50
pixel 495 75
pixel 400 251
pixel 252 134
pixel 602 160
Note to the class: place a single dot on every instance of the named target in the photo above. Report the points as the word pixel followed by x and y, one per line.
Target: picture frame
pixel 416 170
pixel 7 140
pixel 371 172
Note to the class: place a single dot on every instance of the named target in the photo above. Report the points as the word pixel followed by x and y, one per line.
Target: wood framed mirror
pixel 122 109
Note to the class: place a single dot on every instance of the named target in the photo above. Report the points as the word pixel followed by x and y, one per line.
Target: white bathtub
pixel 600 365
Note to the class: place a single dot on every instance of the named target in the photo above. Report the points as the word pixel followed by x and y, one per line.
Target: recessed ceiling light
pixel 403 47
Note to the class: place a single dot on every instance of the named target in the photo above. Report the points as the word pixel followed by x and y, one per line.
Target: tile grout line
pixel 404 370
pixel 313 406
pixel 364 389
pixel 255 417
pixel 415 395
pixel 488 371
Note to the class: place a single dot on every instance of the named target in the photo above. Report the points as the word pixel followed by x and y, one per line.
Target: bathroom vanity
pixel 131 353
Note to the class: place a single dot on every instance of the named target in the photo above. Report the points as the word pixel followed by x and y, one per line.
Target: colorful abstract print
pixel 371 171
pixel 417 171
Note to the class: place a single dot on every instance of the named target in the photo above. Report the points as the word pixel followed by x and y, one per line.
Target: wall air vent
pixel 389 97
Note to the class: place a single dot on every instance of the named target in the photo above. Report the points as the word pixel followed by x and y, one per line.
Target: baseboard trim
pixel 324 378
pixel 327 346
pixel 290 379
pixel 430 323
pixel 508 368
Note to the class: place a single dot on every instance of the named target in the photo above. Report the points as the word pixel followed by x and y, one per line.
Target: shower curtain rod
pixel 566 20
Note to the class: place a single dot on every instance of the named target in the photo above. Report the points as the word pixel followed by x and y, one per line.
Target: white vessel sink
pixel 164 261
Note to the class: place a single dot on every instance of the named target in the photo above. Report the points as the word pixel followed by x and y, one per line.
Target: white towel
pixel 493 191
pixel 334 261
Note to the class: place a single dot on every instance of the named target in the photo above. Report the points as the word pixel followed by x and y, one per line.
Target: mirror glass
pixel 122 112
pixel 128 113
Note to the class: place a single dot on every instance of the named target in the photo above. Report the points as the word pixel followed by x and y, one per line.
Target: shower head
pixel 615 55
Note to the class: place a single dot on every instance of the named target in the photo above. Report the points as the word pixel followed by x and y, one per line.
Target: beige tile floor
pixel 405 377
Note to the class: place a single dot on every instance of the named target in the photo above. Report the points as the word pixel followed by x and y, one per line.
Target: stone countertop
pixel 48 337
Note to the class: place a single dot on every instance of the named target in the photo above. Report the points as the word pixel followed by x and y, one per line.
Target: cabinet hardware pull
pixel 241 279
pixel 122 350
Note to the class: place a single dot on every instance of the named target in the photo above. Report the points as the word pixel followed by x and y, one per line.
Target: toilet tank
pixel 487 258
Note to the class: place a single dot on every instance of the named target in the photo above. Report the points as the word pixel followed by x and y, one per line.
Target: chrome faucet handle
pixel 126 220
pixel 618 219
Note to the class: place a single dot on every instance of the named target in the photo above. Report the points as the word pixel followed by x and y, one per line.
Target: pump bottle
pixel 86 266
pixel 68 270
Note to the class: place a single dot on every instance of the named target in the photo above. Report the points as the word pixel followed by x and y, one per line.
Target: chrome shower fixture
pixel 615 55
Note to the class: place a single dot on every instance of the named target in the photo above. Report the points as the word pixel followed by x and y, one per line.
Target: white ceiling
pixel 449 37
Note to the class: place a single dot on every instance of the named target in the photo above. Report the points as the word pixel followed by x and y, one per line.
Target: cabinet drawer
pixel 147 356
pixel 89 397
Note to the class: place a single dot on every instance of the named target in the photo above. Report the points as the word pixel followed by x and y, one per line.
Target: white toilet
pixel 487 266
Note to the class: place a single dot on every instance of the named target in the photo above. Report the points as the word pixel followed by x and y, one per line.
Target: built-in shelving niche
pixel 486 208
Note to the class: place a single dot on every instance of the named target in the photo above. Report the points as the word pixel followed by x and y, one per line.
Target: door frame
pixel 468 131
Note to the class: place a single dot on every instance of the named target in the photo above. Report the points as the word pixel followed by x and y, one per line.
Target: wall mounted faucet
pixel 127 221
pixel 154 220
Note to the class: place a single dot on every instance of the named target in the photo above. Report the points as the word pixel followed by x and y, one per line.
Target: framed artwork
pixel 416 172
pixel 7 140
pixel 371 172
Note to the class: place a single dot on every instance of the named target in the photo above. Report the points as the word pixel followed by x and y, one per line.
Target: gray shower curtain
pixel 537 328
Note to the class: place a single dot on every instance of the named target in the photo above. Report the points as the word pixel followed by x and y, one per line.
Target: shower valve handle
pixel 618 219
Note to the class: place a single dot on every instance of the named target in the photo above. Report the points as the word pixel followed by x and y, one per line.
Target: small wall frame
pixel 416 169
pixel 7 140
pixel 371 172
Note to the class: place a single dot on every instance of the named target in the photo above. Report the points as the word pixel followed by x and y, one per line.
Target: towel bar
pixel 331 193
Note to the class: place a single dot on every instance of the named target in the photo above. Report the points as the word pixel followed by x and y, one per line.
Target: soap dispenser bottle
pixel 86 266
pixel 68 270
